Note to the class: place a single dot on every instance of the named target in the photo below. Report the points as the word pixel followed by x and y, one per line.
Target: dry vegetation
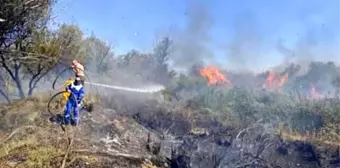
pixel 30 140
pixel 189 124
pixel 205 126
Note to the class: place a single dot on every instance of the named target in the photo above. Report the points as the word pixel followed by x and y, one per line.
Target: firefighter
pixel 67 93
pixel 78 70
pixel 74 101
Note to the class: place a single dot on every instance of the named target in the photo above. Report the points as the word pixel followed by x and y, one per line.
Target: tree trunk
pixel 19 87
pixel 30 92
pixel 31 86
pixel 17 80
pixel 18 84
pixel 5 96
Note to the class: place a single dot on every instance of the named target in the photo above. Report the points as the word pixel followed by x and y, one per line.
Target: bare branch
pixel 5 96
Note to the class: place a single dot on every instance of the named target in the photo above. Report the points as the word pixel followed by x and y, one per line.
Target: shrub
pixel 244 107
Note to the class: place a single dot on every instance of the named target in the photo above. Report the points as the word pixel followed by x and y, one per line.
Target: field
pixel 193 124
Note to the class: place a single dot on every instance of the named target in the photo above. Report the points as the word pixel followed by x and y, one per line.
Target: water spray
pixel 150 89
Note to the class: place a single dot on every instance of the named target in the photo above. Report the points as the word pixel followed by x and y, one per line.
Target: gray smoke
pixel 314 43
pixel 190 46
pixel 245 48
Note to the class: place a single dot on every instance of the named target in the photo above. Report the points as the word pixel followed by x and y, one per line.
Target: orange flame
pixel 274 82
pixel 213 75
pixel 270 80
pixel 282 80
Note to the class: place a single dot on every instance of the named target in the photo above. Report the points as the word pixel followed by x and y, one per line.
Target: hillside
pixel 127 132
pixel 210 108
pixel 104 139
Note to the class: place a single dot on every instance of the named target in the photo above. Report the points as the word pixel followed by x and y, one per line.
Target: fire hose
pixel 90 107
pixel 60 93
pixel 49 107
pixel 55 95
pixel 62 71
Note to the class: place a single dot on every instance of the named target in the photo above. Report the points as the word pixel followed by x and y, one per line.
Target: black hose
pixel 62 71
pixel 49 102
pixel 55 80
pixel 49 109
pixel 61 92
pixel 49 106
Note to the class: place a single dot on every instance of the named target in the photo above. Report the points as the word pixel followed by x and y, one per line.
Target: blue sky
pixel 135 24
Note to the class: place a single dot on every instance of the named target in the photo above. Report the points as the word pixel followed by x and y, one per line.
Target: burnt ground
pixel 210 144
pixel 149 135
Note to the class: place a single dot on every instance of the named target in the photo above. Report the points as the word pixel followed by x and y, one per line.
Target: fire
pixel 213 75
pixel 274 82
pixel 282 80
pixel 270 80
pixel 313 93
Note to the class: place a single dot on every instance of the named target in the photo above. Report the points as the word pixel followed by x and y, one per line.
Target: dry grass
pixel 327 136
pixel 30 148
pixel 36 145
pixel 27 139
pixel 44 144
pixel 148 164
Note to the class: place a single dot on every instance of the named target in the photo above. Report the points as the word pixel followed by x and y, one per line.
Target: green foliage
pixel 72 43
pixel 320 74
pixel 247 107
pixel 136 62
pixel 44 52
pixel 161 53
pixel 30 50
pixel 150 66
pixel 21 19
pixel 99 55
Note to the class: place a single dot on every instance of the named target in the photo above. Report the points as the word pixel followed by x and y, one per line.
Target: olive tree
pixel 99 55
pixel 28 49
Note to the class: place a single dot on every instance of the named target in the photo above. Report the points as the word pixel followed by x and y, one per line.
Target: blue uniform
pixel 75 98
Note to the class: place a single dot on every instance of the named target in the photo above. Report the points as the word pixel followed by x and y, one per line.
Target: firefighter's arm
pixel 74 69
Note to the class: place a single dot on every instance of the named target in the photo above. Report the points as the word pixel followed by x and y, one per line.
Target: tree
pixel 73 46
pixel 162 53
pixel 4 87
pixel 320 74
pixel 44 51
pixel 72 40
pixel 99 55
pixel 51 49
pixel 28 50
pixel 21 19
pixel 137 63
pixel 152 66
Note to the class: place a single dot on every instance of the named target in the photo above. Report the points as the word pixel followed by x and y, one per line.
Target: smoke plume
pixel 191 44
pixel 245 46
